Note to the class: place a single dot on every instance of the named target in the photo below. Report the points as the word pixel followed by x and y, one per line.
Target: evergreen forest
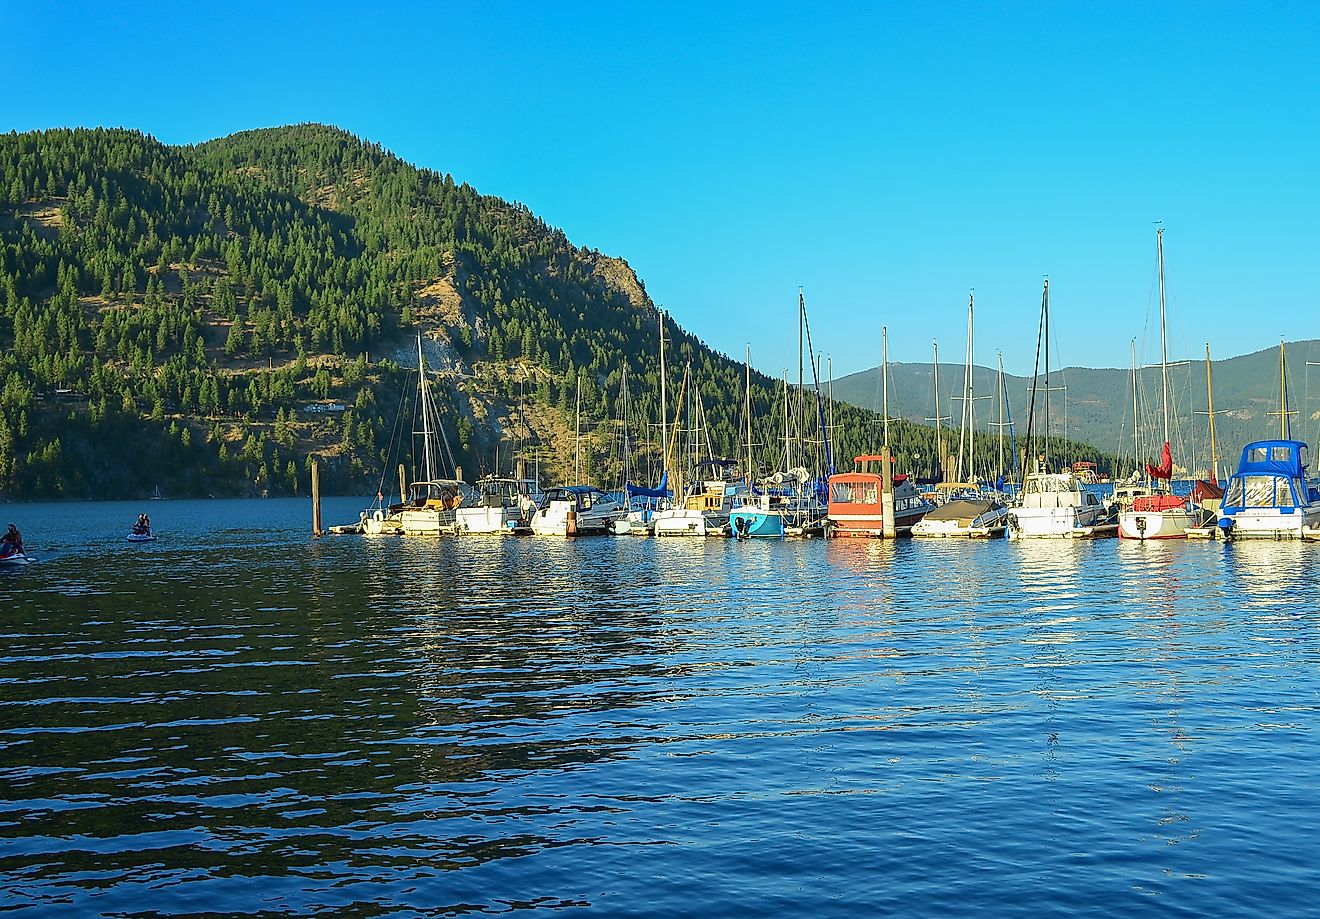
pixel 204 319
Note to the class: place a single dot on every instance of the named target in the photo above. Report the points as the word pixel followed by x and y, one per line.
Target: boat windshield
pixel 1262 491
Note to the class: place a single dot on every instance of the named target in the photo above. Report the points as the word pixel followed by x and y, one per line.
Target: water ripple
pixel 255 722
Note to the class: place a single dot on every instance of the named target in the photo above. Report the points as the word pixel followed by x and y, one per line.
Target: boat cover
pixel 964 509
pixel 660 491
pixel 1273 457
pixel 1152 504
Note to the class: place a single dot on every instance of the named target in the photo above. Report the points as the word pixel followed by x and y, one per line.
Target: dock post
pixel 316 497
pixel 887 494
pixel 403 485
pixel 458 473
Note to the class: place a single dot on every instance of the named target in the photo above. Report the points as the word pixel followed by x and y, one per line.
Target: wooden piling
pixel 403 484
pixel 316 497
pixel 889 528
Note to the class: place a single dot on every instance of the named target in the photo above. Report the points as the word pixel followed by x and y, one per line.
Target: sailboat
pixel 644 501
pixel 1053 504
pixel 430 505
pixel 1159 514
pixel 1207 494
pixel 783 503
pixel 1270 496
pixel 967 512
pixel 712 492
pixel 577 509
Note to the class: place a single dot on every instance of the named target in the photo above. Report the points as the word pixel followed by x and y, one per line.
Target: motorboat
pixel 1056 505
pixel 776 511
pixel 1269 497
pixel 502 505
pixel 965 518
pixel 855 502
pixel 576 510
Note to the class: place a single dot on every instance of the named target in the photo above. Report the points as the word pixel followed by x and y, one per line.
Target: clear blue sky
pixel 887 157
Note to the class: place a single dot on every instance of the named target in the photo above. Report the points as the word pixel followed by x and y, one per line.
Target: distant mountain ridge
pixel 1097 405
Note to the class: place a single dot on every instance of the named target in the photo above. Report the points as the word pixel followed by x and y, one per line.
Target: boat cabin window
pixel 855 493
pixel 584 501
pixel 1280 454
pixel 1257 454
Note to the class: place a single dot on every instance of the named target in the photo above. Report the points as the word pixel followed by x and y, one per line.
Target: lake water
pixel 239 719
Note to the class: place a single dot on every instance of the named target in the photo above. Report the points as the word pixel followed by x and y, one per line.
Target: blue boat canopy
pixel 1274 457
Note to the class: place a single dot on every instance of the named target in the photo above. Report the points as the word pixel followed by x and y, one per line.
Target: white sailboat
pixel 1054 505
pixel 430 506
pixel 1159 514
pixel 969 513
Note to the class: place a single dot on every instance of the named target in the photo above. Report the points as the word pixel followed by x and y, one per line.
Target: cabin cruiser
pixel 856 506
pixel 706 506
pixel 1056 505
pixel 576 510
pixel 1269 496
pixel 503 504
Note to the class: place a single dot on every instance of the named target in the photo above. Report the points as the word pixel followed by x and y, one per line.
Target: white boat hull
pixel 1057 523
pixel 141 537
pixel 1166 524
pixel 488 519
pixel 687 523
pixel 1269 523
pixel 426 521
pixel 985 526
pixel 17 560
pixel 558 526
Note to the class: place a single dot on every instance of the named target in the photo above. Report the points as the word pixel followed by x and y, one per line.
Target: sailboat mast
pixel 939 438
pixel 627 451
pixel 427 462
pixel 747 410
pixel 1283 393
pixel 577 434
pixel 884 376
pixel 787 464
pixel 802 322
pixel 1164 348
pixel 1136 428
pixel 829 397
pixel 1210 406
pixel 1001 414
pixel 664 404
pixel 967 399
pixel 1046 307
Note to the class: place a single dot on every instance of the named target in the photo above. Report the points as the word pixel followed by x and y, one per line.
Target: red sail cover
pixel 1165 469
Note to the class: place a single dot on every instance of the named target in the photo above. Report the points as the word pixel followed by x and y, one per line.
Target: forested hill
pixel 202 319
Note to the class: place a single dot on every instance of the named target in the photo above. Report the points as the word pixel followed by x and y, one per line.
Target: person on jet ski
pixel 12 542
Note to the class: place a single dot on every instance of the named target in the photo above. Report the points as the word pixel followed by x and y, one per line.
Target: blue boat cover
pixel 1273 457
pixel 660 491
